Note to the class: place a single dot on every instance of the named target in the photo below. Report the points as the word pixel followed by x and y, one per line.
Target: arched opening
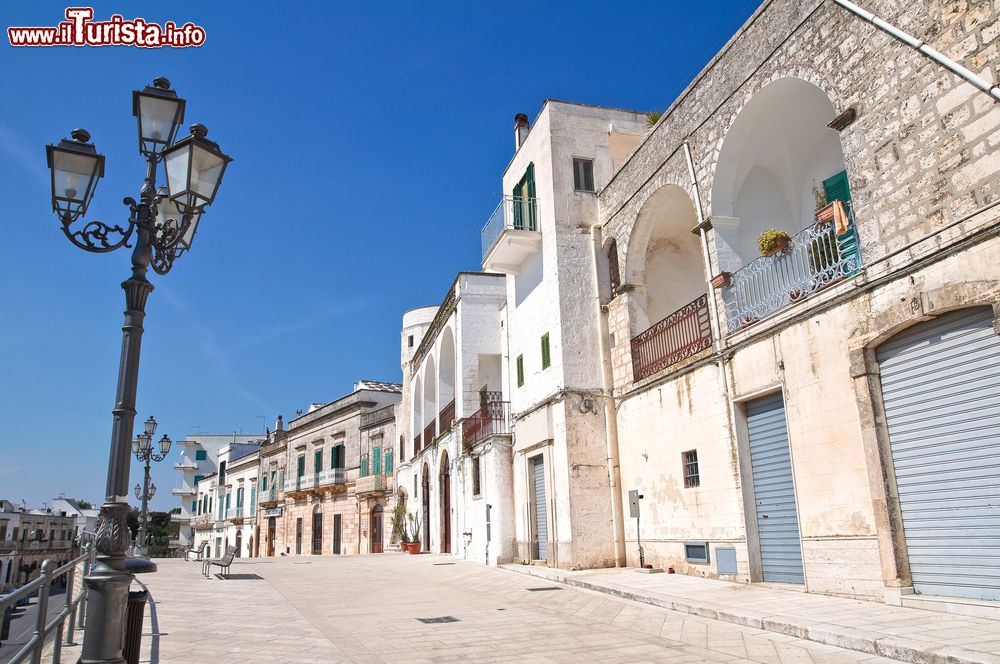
pixel 425 508
pixel 239 543
pixel 430 402
pixel 418 415
pixel 667 305
pixel 614 272
pixel 446 382
pixel 444 482
pixel 772 167
pixel 377 525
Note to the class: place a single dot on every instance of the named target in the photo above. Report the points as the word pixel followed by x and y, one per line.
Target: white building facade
pixel 221 508
pixel 454 474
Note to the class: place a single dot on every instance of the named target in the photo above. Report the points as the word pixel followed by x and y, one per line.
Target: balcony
pixel 492 419
pixel 186 464
pixel 447 416
pixel 430 432
pixel 511 235
pixel 816 258
pixel 417 443
pixel 183 490
pixel 370 484
pixel 677 337
pixel 330 478
pixel 181 518
pixel 269 496
pixel 300 483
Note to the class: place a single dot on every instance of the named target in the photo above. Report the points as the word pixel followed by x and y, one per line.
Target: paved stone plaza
pixel 366 609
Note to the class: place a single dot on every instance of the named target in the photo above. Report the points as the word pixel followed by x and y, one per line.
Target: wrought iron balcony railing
pixel 816 257
pixel 492 419
pixel 430 432
pixel 513 213
pixel 447 416
pixel 677 337
pixel 417 443
pixel 370 484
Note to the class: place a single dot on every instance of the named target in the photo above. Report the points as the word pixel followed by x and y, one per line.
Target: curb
pixel 860 640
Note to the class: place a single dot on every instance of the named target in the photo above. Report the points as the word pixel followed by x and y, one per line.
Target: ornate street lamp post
pixel 142 448
pixel 162 227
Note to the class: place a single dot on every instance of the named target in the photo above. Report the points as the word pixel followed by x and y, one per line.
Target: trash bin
pixel 133 625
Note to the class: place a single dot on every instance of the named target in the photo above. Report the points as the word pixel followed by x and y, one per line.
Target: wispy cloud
pixel 26 155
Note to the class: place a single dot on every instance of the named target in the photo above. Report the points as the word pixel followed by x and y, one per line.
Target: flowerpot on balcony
pixel 773 241
pixel 721 280
pixel 413 547
pixel 825 214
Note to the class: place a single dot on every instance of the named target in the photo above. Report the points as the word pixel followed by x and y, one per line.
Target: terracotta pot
pixel 413 547
pixel 721 280
pixel 825 213
pixel 779 246
pixel 402 546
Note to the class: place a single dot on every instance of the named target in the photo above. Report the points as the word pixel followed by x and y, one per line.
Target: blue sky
pixel 369 140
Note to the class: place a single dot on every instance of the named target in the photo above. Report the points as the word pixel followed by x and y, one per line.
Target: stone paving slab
pixel 907 634
pixel 361 609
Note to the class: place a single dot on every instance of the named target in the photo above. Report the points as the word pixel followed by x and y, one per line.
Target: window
pixel 691 478
pixel 524 201
pixel 318 461
pixel 476 488
pixel 198 478
pixel 263 483
pixel 302 466
pixel 696 552
pixel 583 174
pixel 546 355
pixel 200 455
pixel 253 498
pixel 520 370
pixel 388 461
pixel 222 473
pixel 239 499
pixel 364 466
pixel 194 506
pixel 613 269
pixel 409 341
pixel 337 456
pixel 402 451
pixel 376 461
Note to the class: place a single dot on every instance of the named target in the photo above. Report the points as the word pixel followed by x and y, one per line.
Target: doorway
pixel 336 534
pixel 376 529
pixel 239 543
pixel 317 534
pixel 540 528
pixel 444 481
pixel 425 509
pixel 271 530
pixel 298 536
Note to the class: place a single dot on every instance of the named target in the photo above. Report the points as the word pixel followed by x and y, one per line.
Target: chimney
pixel 280 424
pixel 521 128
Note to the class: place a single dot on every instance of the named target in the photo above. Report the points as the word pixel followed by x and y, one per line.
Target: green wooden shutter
pixel 194 506
pixel 301 466
pixel 253 499
pixel 837 188
pixel 517 203
pixel 318 461
pixel 546 355
pixel 520 370
pixel 529 176
pixel 364 466
pixel 376 461
pixel 388 461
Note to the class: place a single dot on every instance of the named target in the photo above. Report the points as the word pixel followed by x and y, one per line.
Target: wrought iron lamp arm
pixel 96 236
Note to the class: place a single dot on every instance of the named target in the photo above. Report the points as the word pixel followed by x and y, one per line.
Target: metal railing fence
pixel 514 213
pixel 69 618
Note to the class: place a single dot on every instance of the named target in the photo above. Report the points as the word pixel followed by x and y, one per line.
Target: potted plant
pixel 772 241
pixel 721 280
pixel 413 545
pixel 399 525
pixel 824 210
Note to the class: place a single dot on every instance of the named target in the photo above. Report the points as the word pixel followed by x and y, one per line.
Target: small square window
pixel 583 174
pixel 546 354
pixel 520 370
pixel 696 552
pixel 691 478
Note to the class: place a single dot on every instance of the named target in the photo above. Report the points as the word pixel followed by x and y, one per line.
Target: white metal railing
pixel 816 257
pixel 70 617
pixel 331 476
pixel 514 213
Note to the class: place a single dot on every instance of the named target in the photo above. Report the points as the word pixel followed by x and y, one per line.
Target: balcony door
pixel 524 201
pixel 377 529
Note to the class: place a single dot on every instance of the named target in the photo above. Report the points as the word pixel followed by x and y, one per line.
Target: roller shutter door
pixel 774 491
pixel 541 522
pixel 941 389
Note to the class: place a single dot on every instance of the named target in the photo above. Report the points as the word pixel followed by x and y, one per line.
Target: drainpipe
pixel 610 413
pixel 921 46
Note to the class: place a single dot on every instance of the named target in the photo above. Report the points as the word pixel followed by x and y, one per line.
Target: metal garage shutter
pixel 774 491
pixel 541 522
pixel 941 388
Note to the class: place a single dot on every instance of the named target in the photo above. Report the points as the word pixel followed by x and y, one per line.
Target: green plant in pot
pixel 413 545
pixel 772 241
pixel 399 525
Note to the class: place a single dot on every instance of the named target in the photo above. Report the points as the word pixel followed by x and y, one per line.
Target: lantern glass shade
pixel 194 167
pixel 165 443
pixel 135 446
pixel 169 209
pixel 152 491
pixel 145 443
pixel 159 112
pixel 150 426
pixel 76 168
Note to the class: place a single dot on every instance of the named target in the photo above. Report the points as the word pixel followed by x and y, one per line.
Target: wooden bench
pixel 222 563
pixel 198 553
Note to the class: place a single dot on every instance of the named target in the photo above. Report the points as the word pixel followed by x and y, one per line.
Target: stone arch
pixel 430 394
pixel 447 371
pixel 417 403
pixel 777 149
pixel 663 263
pixel 445 501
